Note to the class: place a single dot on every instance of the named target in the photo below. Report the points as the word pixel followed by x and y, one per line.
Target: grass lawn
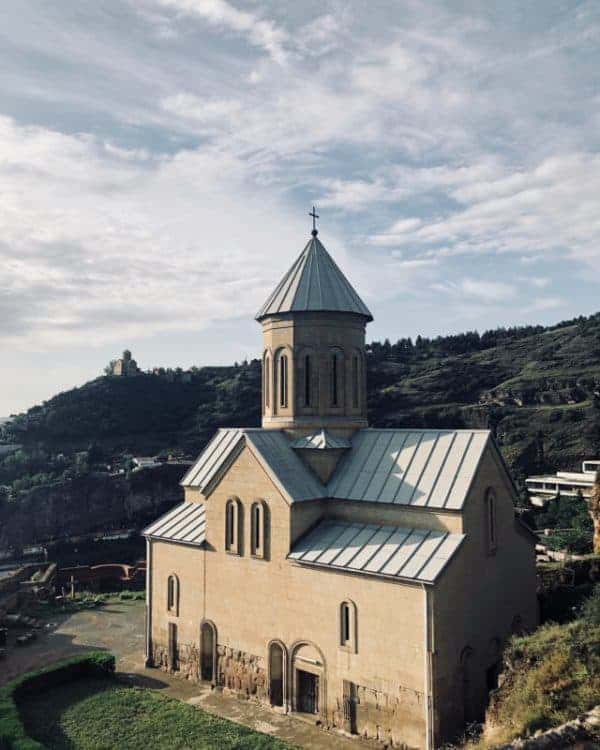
pixel 101 714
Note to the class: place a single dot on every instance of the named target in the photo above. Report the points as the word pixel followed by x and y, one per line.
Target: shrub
pixel 591 607
pixel 12 732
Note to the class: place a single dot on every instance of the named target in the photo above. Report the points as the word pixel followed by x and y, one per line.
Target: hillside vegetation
pixel 550 677
pixel 537 388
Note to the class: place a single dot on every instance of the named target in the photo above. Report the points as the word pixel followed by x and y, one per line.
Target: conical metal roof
pixel 314 284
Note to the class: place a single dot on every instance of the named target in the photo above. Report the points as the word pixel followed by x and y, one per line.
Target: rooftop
pixel 421 468
pixel 185 523
pixel 388 551
pixel 314 283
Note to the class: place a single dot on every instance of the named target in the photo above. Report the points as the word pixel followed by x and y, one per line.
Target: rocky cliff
pixel 91 503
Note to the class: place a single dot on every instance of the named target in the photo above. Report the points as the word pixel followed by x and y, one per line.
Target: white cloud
pixel 101 244
pixel 260 32
pixel 477 289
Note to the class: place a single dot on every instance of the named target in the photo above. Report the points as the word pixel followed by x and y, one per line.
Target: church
pixel 364 579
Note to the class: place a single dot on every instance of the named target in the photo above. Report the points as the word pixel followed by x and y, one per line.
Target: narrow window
pixel 173 595
pixel 307 380
pixel 355 381
pixel 258 529
pixel 283 380
pixel 345 624
pixel 490 510
pixel 230 521
pixel 233 518
pixel 348 626
pixel 267 381
pixel 336 376
pixel 334 380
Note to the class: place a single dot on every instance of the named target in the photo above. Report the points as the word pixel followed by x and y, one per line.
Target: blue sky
pixel 158 159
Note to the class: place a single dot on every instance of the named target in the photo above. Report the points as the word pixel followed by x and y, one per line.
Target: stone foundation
pixel 187 662
pixel 237 671
pixel 241 673
pixel 391 719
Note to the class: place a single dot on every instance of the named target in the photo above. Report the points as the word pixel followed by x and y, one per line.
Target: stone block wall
pixel 382 717
pixel 241 673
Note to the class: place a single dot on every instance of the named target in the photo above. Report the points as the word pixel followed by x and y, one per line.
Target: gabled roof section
pixel 421 468
pixel 217 455
pixel 185 524
pixel 273 451
pixel 314 283
pixel 418 555
pixel 321 440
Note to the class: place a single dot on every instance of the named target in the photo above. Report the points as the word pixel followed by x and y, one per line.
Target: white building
pixel 566 483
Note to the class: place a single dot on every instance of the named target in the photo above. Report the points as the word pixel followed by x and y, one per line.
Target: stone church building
pixel 364 578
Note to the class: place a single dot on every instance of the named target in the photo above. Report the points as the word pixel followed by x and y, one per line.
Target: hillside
pixel 536 388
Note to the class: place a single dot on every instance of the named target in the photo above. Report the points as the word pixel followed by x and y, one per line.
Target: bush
pixel 591 608
pixel 12 732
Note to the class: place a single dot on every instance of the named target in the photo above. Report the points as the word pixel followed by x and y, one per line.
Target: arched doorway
pixel 277 674
pixel 308 679
pixel 208 651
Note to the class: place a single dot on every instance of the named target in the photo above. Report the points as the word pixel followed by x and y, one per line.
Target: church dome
pixel 314 283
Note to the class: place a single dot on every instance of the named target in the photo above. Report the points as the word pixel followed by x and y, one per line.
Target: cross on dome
pixel 315 216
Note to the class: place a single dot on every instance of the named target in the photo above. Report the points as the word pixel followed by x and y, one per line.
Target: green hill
pixel 537 388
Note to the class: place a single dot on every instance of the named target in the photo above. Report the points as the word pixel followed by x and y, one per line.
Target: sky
pixel 158 159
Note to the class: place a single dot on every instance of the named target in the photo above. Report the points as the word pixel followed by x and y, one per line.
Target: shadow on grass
pixel 42 715
pixel 101 714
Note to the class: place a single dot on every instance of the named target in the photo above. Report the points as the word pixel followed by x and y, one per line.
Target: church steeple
pixel 314 367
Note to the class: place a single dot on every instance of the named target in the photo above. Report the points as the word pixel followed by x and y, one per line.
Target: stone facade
pixel 243 674
pixel 423 652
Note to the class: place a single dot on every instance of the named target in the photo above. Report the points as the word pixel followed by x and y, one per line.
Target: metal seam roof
pixel 314 283
pixel 321 440
pixel 381 550
pixel 419 468
pixel 185 523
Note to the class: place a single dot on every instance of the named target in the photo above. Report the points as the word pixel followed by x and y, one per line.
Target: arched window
pixel 348 624
pixel 173 595
pixel 308 374
pixel 258 529
pixel 233 522
pixel 267 381
pixel 283 380
pixel 355 381
pixel 336 365
pixel 490 521
pixel 277 673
